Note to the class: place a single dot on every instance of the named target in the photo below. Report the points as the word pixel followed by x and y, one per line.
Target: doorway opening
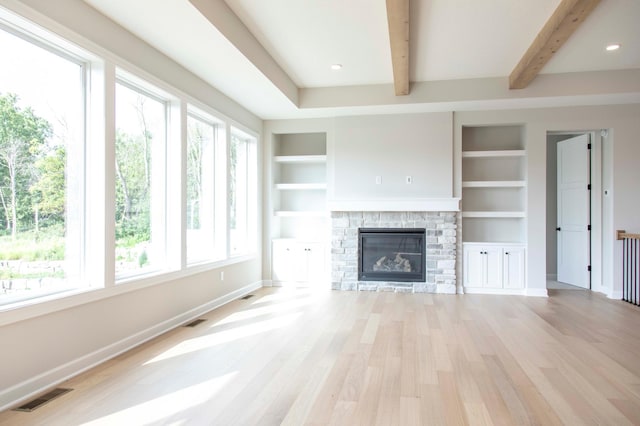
pixel 575 209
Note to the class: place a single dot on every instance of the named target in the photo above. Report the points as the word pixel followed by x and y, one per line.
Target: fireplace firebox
pixel 396 254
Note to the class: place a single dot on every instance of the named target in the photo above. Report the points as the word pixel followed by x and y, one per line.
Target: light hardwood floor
pixel 299 357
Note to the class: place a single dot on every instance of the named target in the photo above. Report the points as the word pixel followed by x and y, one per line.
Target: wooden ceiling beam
pixel 398 19
pixel 565 20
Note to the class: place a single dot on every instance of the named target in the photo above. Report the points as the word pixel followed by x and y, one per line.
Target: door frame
pixel 598 138
pixel 584 264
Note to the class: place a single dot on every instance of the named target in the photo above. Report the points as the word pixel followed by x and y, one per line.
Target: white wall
pixel 46 343
pixel 393 147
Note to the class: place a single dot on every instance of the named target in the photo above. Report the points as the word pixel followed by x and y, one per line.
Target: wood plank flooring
pixel 297 357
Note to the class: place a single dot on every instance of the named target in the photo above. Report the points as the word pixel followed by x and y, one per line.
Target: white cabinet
pixel 513 267
pixel 493 266
pixel 298 262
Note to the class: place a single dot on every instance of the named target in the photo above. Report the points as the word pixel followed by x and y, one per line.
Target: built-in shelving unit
pixel 301 186
pixel 494 214
pixel 493 184
pixel 300 218
pixel 294 213
pixel 494 154
pixel 299 180
pixel 300 159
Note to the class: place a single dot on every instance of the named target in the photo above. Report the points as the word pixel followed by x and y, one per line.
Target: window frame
pixel 29 32
pixel 252 215
pixel 159 195
pixel 102 68
pixel 219 162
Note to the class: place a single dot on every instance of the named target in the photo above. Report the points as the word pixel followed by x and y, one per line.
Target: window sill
pixel 35 307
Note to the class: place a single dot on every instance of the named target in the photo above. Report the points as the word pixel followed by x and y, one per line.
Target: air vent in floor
pixel 41 400
pixel 195 322
pixel 248 296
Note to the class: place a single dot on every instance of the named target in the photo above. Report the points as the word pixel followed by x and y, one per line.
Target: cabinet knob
pixel 507 253
pixel 558 229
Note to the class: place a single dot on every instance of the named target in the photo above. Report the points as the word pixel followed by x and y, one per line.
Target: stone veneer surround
pixel 440 243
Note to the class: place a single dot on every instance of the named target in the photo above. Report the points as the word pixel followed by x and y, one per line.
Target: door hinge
pixel 588 187
pixel 588 227
pixel 588 146
pixel 589 268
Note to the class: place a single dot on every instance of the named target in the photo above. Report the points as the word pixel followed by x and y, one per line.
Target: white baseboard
pixel 532 292
pixel 536 292
pixel 615 294
pixel 31 388
pixel 601 289
pixel 503 291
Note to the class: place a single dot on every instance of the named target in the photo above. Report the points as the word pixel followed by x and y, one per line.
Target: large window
pixel 242 193
pixel 41 167
pixel 176 188
pixel 140 181
pixel 206 167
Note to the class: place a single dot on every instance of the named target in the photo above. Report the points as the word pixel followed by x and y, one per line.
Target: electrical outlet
pixel 409 180
pixel 378 180
pixel 221 275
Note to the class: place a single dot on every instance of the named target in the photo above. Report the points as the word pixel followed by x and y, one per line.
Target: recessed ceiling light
pixel 613 46
pixel 336 67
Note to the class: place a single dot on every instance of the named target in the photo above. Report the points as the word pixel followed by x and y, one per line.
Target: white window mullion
pixel 228 191
pixel 176 185
pixel 100 248
pixel 221 212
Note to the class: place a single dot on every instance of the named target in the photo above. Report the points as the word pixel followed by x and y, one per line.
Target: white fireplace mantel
pixel 396 205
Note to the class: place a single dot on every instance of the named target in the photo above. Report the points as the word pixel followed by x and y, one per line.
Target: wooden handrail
pixel 622 234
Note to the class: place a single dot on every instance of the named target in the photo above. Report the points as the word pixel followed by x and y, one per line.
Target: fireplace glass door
pixel 391 254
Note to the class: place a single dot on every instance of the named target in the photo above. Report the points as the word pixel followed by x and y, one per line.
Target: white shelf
pixel 300 159
pixel 493 244
pixel 494 154
pixel 498 214
pixel 494 184
pixel 292 213
pixel 301 186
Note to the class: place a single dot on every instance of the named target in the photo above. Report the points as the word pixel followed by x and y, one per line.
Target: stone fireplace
pixel 438 265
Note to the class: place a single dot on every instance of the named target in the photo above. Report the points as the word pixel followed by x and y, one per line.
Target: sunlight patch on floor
pixel 217 338
pixel 265 310
pixel 166 406
pixel 286 293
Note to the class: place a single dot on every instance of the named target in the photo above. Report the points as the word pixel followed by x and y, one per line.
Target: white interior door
pixel 573 211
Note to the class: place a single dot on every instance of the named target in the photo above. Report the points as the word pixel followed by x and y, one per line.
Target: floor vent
pixel 41 400
pixel 195 323
pixel 248 296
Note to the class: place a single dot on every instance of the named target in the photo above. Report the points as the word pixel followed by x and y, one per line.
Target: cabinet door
pixel 493 267
pixel 473 267
pixel 315 271
pixel 513 267
pixel 283 261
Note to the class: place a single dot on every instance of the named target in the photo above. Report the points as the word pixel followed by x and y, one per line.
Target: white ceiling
pixel 450 40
